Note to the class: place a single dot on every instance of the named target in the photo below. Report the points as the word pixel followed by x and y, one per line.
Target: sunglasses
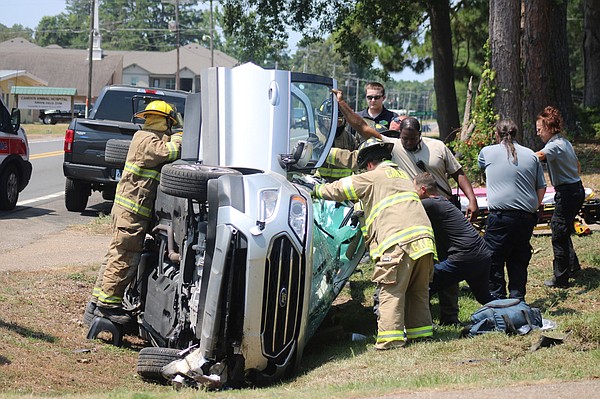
pixel 373 97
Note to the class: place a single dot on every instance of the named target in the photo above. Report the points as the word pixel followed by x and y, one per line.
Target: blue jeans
pixel 567 202
pixel 476 273
pixel 507 235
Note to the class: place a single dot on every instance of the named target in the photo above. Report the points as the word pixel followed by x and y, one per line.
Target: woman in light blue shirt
pixel 564 169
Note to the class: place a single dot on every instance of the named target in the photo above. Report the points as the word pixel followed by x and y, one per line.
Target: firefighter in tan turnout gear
pixel 400 240
pixel 132 210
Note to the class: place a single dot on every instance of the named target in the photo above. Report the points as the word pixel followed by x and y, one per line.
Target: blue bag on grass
pixel 511 316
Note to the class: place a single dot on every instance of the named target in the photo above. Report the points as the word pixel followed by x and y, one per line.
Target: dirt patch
pixel 73 246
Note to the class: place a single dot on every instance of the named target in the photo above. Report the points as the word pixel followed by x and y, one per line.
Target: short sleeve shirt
pixel 437 158
pixel 562 161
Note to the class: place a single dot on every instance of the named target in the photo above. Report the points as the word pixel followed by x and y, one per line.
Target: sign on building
pixel 62 103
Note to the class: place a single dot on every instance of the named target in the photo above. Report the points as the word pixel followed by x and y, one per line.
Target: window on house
pixel 185 84
pixel 134 80
pixel 155 82
pixel 170 84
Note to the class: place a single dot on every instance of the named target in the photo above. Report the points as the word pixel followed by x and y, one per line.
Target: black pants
pixel 508 234
pixel 476 273
pixel 567 202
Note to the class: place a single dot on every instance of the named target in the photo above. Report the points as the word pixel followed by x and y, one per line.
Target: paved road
pixel 34 234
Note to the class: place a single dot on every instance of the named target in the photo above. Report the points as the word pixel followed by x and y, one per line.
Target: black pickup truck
pixel 111 117
pixel 54 116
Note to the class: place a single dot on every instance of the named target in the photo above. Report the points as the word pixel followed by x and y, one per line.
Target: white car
pixel 15 168
pixel 244 265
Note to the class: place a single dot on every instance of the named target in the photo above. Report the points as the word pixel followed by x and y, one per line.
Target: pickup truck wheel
pixel 48 120
pixel 189 180
pixel 76 195
pixel 9 188
pixel 151 360
pixel 116 151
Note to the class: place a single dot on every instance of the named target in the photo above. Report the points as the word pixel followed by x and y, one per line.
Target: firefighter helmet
pixel 324 115
pixel 373 149
pixel 159 108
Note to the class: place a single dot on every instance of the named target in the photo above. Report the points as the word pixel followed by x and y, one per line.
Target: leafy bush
pixel 589 119
pixel 484 116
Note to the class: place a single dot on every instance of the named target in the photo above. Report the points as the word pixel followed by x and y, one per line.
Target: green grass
pixel 35 130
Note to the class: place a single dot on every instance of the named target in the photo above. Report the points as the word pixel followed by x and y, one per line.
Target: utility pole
pixel 212 29
pixel 349 77
pixel 357 86
pixel 307 51
pixel 88 100
pixel 334 65
pixel 177 35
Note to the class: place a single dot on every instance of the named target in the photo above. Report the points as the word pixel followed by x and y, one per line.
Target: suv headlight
pixel 297 216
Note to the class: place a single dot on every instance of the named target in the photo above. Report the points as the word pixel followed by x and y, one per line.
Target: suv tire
pixel 151 360
pixel 76 195
pixel 9 188
pixel 48 120
pixel 189 180
pixel 116 151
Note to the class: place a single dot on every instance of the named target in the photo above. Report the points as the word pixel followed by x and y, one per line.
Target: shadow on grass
pixel 587 280
pixel 27 332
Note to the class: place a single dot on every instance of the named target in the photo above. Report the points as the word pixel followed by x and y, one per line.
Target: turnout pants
pixel 123 256
pixel 403 298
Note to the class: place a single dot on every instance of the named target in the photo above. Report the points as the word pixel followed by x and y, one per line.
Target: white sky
pixel 29 13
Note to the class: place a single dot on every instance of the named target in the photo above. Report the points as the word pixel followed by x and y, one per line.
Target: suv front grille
pixel 283 298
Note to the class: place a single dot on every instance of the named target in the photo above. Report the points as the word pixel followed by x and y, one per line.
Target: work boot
pixel 115 314
pixel 88 314
pixel 553 283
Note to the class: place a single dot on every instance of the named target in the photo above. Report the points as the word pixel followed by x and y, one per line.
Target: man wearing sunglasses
pixel 375 95
pixel 415 154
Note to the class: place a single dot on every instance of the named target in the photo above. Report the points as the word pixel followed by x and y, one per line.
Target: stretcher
pixel 588 214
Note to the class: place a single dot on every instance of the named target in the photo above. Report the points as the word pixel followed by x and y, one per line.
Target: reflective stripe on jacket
pixel 393 211
pixel 148 151
pixel 329 171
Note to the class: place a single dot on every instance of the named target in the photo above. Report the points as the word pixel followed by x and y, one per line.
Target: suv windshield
pixel 311 113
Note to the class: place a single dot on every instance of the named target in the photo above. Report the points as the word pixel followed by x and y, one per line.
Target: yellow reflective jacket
pixel 331 172
pixel 148 151
pixel 394 214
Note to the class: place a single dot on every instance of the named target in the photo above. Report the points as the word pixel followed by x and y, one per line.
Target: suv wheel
pixel 48 120
pixel 116 150
pixel 189 180
pixel 9 188
pixel 151 360
pixel 76 195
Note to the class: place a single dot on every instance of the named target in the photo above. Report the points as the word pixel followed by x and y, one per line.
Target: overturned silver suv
pixel 243 265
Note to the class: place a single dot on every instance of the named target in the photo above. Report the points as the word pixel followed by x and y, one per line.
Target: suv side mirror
pixel 15 119
pixel 299 158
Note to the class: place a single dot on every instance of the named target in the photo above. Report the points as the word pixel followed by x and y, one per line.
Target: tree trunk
pixel 545 60
pixel 505 18
pixel 591 53
pixel 443 67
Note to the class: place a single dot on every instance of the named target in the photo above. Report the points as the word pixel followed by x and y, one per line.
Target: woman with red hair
pixel 564 169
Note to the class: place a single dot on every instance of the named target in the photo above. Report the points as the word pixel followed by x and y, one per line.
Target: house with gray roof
pixel 69 68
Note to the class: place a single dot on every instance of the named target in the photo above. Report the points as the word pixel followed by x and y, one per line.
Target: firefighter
pixel 400 240
pixel 344 140
pixel 132 210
